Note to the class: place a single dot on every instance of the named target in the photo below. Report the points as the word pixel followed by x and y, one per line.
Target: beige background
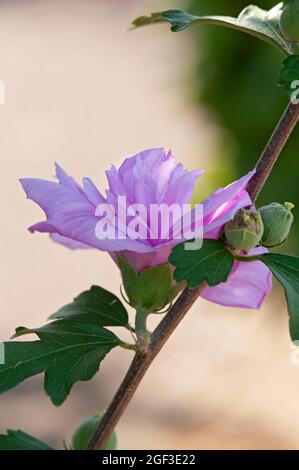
pixel 82 92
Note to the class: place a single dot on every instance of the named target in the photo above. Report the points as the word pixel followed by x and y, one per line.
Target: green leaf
pixel 95 305
pixel 252 20
pixel 289 74
pixel 68 351
pixel 19 440
pixel 151 289
pixel 286 270
pixel 211 263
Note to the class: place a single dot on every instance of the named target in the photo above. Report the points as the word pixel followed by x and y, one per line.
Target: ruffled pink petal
pixel 181 188
pixel 68 242
pixel 147 158
pixel 148 260
pixel 71 214
pixel 65 179
pixel 42 227
pixel 222 205
pixel 93 194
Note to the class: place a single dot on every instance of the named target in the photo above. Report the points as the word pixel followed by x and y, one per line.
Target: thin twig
pixel 273 149
pixel 177 312
pixel 139 366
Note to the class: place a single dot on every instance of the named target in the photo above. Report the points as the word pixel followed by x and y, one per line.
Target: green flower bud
pixel 277 220
pixel 83 433
pixel 151 289
pixel 289 20
pixel 245 231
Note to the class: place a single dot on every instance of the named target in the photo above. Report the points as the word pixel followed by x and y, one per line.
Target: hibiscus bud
pixel 84 432
pixel 289 20
pixel 151 289
pixel 245 231
pixel 277 219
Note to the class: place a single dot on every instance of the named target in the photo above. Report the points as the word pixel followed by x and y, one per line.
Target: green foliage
pixel 85 430
pixel 286 270
pixel 222 56
pixel 211 263
pixel 289 20
pixel 289 73
pixel 252 20
pixel 19 440
pixel 236 78
pixel 67 351
pixel 95 305
pixel 151 289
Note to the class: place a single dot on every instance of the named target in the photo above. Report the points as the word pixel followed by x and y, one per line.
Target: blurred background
pixel 82 91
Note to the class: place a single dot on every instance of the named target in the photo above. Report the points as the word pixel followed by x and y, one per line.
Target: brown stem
pixel 139 366
pixel 177 312
pixel 272 150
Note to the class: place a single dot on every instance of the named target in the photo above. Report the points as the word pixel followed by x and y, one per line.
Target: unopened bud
pixel 245 231
pixel 85 431
pixel 277 219
pixel 151 289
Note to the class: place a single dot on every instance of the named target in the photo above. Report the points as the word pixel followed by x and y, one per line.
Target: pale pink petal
pixel 222 205
pixel 69 243
pixel 70 214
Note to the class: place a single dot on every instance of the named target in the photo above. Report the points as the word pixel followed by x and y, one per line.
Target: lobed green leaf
pixel 212 264
pixel 19 440
pixel 68 351
pixel 286 270
pixel 95 305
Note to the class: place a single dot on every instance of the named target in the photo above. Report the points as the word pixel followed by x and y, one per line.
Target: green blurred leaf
pixel 95 305
pixel 19 440
pixel 68 351
pixel 211 263
pixel 226 55
pixel 252 20
pixel 286 270
pixel 150 289
pixel 289 74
